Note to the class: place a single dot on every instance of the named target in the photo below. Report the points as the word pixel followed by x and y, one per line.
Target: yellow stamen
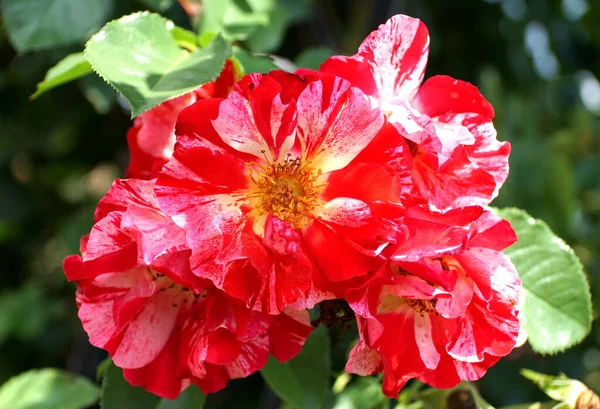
pixel 287 190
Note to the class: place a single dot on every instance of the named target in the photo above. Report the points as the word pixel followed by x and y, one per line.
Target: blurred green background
pixel 537 61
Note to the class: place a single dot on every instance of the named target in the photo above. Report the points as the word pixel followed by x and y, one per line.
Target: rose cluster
pixel 252 199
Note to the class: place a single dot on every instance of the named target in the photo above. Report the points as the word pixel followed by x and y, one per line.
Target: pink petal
pixel 434 234
pixel 462 294
pixel 397 55
pixel 288 333
pixel 471 164
pixel 442 94
pixel 160 376
pixel 148 333
pixel 342 260
pixel 366 182
pixel 335 123
pixel 219 347
pixel 257 122
pixel 152 138
pixel 363 360
pixel 483 331
pixel 126 192
pixel 109 248
pixel 491 232
pixel 459 183
pixel 98 322
pixel 431 271
pixel 423 336
pixel 253 357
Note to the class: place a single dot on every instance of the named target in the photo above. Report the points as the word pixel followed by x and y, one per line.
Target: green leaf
pixel 280 13
pixel 117 393
pixel 365 393
pixel 303 381
pixel 191 398
pixel 47 389
pixel 556 311
pixel 185 38
pixel 234 19
pixel 68 69
pixel 158 5
pixel 559 388
pixel 138 56
pixel 36 24
pixel 313 57
pixel 102 368
pixel 270 37
pixel 254 63
pixel 98 93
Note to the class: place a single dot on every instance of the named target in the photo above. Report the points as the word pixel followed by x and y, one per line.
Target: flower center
pixel 287 190
pixel 422 306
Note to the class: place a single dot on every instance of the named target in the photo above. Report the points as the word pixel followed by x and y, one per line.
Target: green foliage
pixel 365 393
pixel 253 63
pixel 26 312
pixel 158 5
pixel 138 56
pixel 261 23
pixel 303 381
pixel 70 68
pixel 47 389
pixel 559 388
pixel 117 393
pixel 556 310
pixel 313 57
pixel 186 39
pixel 36 24
pixel 98 93
pixel 234 19
pixel 465 395
pixel 57 158
pixel 280 14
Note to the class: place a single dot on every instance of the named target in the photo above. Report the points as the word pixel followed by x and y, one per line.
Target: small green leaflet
pixel 254 63
pixel 185 39
pixel 47 389
pixel 75 66
pixel 117 393
pixel 234 19
pixel 138 56
pixel 557 308
pixel 303 381
pixel 559 388
pixel 36 24
pixel 68 69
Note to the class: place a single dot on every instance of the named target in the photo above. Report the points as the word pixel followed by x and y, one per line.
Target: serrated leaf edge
pixel 38 92
pixel 167 23
pixel 565 247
